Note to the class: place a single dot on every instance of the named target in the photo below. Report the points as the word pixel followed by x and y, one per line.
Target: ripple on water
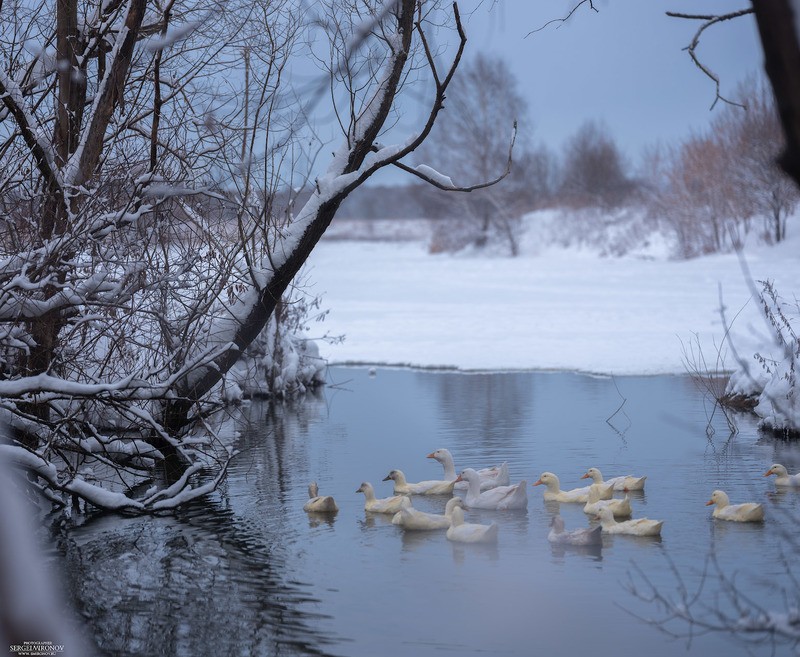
pixel 249 572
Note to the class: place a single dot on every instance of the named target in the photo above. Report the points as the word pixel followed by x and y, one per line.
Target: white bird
pixel 499 498
pixel 583 536
pixel 620 508
pixel 411 518
pixel 555 494
pixel 624 483
pixel 490 477
pixel 746 512
pixel 633 527
pixel 431 487
pixel 782 476
pixel 319 503
pixel 466 532
pixel 383 505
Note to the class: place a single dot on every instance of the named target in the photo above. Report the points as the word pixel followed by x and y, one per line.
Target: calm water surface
pixel 247 572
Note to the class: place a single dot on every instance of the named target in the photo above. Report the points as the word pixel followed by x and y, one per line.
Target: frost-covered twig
pixel 689 613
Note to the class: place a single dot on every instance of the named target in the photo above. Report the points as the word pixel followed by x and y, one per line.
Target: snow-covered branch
pixel 147 248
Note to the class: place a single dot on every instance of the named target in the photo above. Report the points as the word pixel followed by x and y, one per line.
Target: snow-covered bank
pixel 548 309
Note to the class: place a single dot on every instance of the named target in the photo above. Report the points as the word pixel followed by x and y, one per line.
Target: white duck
pixel 411 518
pixel 466 532
pixel 782 476
pixel 432 487
pixel 383 505
pixel 624 483
pixel 584 536
pixel 555 494
pixel 490 477
pixel 746 512
pixel 633 527
pixel 319 503
pixel 620 508
pixel 499 498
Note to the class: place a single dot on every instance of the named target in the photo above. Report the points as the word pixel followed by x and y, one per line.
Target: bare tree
pixel 755 139
pixel 712 189
pixel 482 107
pixel 144 250
pixel 594 172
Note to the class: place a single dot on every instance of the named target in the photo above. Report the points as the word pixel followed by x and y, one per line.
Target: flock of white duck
pixel 489 488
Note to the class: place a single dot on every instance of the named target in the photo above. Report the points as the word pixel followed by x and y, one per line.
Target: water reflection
pixel 249 572
pixel 561 551
pixel 176 586
pixel 464 551
pixel 495 407
pixel 317 519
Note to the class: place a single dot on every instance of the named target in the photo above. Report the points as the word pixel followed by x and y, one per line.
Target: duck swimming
pixel 383 505
pixel 782 476
pixel 623 483
pixel 499 498
pixel 490 477
pixel 319 503
pixel 413 519
pixel 583 536
pixel 746 512
pixel 431 487
pixel 555 494
pixel 464 532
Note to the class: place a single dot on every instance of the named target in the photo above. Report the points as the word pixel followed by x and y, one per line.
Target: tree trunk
pixel 194 386
pixel 779 39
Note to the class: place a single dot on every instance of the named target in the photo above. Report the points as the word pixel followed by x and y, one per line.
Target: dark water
pixel 247 572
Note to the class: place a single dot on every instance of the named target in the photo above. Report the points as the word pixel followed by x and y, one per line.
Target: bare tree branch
pixel 566 18
pixel 459 188
pixel 708 21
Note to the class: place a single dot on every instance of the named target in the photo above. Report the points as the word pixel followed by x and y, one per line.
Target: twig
pixel 708 21
pixel 619 408
pixel 566 18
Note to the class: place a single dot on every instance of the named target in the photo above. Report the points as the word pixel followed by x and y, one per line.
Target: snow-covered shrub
pixel 774 383
pixel 283 361
pixel 720 188
pixel 614 233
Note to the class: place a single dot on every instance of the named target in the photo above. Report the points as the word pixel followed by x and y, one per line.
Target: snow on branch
pixel 33 134
pixel 686 614
pixel 174 35
pixel 350 166
pixel 433 177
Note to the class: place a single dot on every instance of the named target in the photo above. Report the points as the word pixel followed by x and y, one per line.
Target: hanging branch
pixel 561 21
pixel 708 21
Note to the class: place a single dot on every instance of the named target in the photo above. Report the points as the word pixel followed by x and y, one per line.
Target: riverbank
pixel 549 309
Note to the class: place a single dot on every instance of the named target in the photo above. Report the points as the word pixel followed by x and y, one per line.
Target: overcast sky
pixel 624 64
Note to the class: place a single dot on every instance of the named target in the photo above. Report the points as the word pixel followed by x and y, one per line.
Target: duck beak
pixel 710 502
pixel 431 456
pixel 457 479
pixel 537 483
pixel 586 476
pixel 768 473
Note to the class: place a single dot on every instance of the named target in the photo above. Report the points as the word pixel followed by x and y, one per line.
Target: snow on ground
pixel 550 308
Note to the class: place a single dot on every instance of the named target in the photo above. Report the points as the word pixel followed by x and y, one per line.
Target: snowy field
pixel 549 309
